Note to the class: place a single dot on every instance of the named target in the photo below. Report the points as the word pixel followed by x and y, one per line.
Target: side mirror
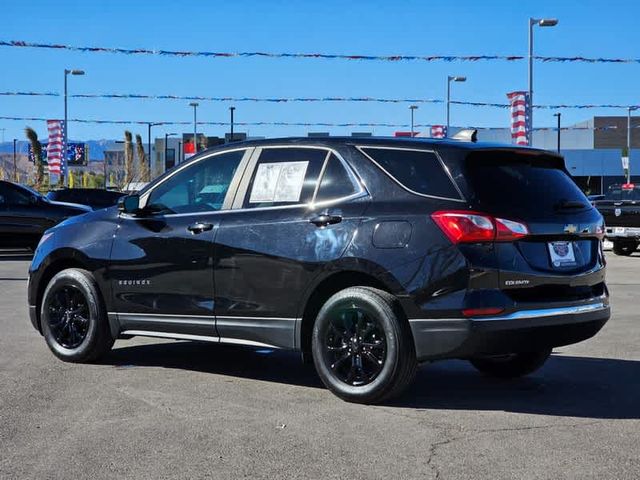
pixel 33 200
pixel 129 204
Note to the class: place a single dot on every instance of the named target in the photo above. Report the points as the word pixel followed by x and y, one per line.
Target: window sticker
pixel 278 182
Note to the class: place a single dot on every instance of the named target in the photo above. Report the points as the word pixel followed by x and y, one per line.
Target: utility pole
pixel 15 164
pixel 558 115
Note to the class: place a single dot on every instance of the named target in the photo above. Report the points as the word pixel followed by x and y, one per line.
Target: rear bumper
pixel 622 232
pixel 523 330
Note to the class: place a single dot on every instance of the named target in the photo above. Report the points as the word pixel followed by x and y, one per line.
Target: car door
pixel 296 209
pixel 161 265
pixel 22 219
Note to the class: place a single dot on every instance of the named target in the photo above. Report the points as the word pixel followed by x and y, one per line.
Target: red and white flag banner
pixel 55 146
pixel 520 125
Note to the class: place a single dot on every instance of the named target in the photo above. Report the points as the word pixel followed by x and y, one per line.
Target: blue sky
pixel 593 28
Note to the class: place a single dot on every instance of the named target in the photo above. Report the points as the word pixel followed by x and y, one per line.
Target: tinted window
pixel 522 185
pixel 335 182
pixel 199 187
pixel 419 171
pixel 284 176
pixel 10 195
pixel 619 194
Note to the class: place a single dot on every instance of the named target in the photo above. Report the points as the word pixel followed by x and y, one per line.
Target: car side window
pixel 284 176
pixel 14 196
pixel 199 187
pixel 335 182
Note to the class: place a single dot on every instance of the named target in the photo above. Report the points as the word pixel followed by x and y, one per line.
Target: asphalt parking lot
pixel 167 409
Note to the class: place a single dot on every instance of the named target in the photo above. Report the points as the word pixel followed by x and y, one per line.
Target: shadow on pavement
pixel 566 386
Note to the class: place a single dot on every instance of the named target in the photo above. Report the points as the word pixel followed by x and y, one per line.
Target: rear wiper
pixel 569 204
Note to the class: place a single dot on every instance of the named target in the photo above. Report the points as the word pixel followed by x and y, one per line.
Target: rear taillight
pixel 473 227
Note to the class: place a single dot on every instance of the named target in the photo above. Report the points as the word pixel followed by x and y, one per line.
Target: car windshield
pixel 34 192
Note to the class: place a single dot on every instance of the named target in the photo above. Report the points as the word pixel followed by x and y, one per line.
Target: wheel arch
pixel 324 289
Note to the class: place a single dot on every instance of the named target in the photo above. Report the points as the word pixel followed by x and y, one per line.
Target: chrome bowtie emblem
pixel 618 212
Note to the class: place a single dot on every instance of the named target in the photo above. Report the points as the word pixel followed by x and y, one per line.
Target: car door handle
pixel 325 219
pixel 199 227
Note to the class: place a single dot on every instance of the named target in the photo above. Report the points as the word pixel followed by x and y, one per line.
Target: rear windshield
pixel 522 185
pixel 619 194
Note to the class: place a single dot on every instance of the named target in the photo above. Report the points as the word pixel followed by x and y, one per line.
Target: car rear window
pixel 617 193
pixel 522 185
pixel 420 171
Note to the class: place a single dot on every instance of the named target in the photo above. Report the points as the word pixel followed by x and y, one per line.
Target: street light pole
pixel 541 22
pixel 195 123
pixel 231 110
pixel 66 126
pixel 629 142
pixel 166 137
pixel 558 115
pixel 450 79
pixel 15 164
pixel 412 108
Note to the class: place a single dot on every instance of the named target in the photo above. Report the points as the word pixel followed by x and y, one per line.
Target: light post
pixel 451 78
pixel 412 108
pixel 558 115
pixel 149 125
pixel 166 137
pixel 195 123
pixel 66 126
pixel 231 110
pixel 15 164
pixel 541 22
pixel 629 110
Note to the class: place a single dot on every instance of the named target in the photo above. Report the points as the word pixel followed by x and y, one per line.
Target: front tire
pixel 73 317
pixel 362 346
pixel 511 366
pixel 624 247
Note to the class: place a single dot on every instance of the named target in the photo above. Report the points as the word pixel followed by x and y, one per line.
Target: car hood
pixel 77 206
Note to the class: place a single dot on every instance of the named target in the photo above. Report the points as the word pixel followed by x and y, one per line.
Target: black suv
pixel 366 255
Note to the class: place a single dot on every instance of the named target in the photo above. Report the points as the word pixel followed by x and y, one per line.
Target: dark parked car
pixel 93 197
pixel 620 208
pixel 367 255
pixel 25 214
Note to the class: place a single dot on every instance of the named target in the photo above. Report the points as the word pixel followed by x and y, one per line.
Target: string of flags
pixel 291 124
pixel 298 55
pixel 309 99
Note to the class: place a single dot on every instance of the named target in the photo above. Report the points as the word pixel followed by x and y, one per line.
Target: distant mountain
pixel 96 148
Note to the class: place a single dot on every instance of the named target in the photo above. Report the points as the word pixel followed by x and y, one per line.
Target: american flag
pixel 438 131
pixel 55 159
pixel 519 102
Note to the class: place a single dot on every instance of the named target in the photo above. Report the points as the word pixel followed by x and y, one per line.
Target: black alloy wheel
pixel 362 346
pixel 356 346
pixel 73 317
pixel 68 316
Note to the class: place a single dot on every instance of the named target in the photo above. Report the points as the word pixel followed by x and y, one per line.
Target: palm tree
pixel 36 148
pixel 143 165
pixel 128 158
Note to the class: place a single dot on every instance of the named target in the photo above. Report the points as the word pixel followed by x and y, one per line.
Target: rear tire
pixel 624 247
pixel 513 365
pixel 73 317
pixel 362 346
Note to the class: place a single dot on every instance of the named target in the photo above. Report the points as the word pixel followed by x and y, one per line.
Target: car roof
pixel 406 142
